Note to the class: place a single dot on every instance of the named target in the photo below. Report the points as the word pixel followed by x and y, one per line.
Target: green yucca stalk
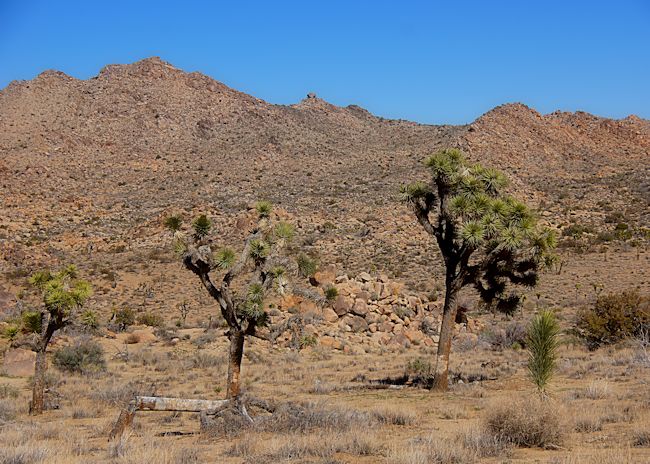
pixel 542 342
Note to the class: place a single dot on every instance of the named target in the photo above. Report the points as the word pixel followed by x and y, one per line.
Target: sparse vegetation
pixel 83 357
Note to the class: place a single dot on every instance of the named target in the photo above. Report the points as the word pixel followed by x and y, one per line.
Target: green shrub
pixel 151 319
pixel 12 331
pixel 307 265
pixel 174 222
pixel 89 320
pixel 308 340
pixel 123 318
pixel 85 356
pixel 614 317
pixel 32 322
pixel 331 292
pixel 201 226
pixel 263 208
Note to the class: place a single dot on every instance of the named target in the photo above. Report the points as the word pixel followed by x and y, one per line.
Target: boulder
pixel 356 323
pixel 360 307
pixel 342 305
pixel 329 315
pixel 19 362
pixel 330 342
pixel 364 277
pixel 326 275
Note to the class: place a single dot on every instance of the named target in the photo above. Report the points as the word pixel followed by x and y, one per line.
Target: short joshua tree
pixel 487 239
pixel 63 296
pixel 261 267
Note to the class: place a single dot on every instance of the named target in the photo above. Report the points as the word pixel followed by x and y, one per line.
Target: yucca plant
pixel 201 226
pixel 488 239
pixel 263 208
pixel 542 343
pixel 174 222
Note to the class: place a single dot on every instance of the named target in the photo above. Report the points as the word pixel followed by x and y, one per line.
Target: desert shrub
pixel 306 417
pixel 11 331
pixel 512 335
pixel 576 230
pixel 263 208
pixel 308 340
pixel 123 318
pixel 89 320
pixel 420 367
pixel 331 292
pixel 307 265
pixel 150 319
pixel 7 411
pixel 32 322
pixel 614 317
pixel 8 391
pixel 173 222
pixel 641 438
pixel 85 356
pixel 534 423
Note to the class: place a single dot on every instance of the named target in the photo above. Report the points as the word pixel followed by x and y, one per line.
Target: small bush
pixel 11 332
pixel 529 424
pixel 89 320
pixel 32 322
pixel 151 319
pixel 331 292
pixel 7 411
pixel 614 317
pixel 308 340
pixel 85 356
pixel 641 438
pixel 307 265
pixel 263 208
pixel 514 334
pixel 123 318
pixel 174 222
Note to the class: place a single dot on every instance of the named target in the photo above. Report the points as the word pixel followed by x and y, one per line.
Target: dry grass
pixel 530 423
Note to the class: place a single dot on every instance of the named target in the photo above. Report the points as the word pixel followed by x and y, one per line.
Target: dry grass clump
pixel 465 448
pixel 588 424
pixel 305 417
pixel 24 454
pixel 119 394
pixel 297 447
pixel 532 423
pixel 393 416
pixel 7 410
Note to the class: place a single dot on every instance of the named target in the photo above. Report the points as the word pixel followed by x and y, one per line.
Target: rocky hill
pixel 90 167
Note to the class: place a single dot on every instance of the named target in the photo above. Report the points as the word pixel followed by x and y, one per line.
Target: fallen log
pixel 159 403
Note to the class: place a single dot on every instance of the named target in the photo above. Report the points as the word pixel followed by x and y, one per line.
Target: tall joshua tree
pixel 261 267
pixel 487 239
pixel 63 295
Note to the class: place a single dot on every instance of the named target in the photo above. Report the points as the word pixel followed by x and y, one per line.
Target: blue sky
pixel 427 61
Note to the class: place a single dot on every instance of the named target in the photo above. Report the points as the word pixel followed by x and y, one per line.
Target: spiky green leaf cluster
pixel 224 258
pixel 253 308
pixel 201 226
pixel 284 231
pixel 542 343
pixel 263 208
pixel 174 222
pixel 412 192
pixel 307 266
pixel 259 249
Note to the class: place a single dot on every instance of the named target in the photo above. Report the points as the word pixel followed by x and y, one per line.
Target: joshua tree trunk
pixel 234 363
pixel 40 367
pixel 440 380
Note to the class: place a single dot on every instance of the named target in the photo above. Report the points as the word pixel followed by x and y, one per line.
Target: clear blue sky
pixel 428 61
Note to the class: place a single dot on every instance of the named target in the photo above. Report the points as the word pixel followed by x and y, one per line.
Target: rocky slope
pixel 90 167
